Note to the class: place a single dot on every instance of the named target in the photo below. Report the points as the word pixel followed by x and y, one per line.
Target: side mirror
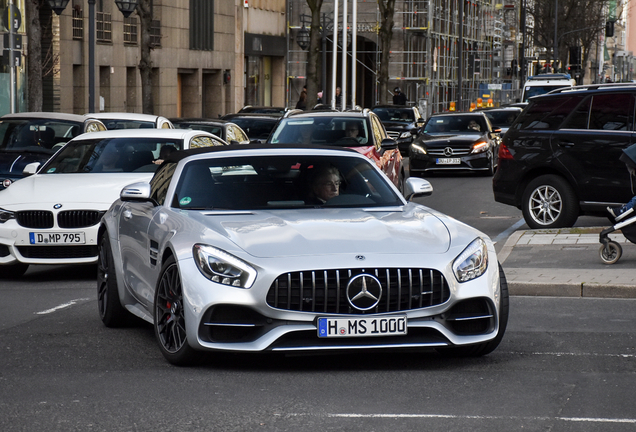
pixel 388 144
pixel 416 187
pixel 136 192
pixel 31 168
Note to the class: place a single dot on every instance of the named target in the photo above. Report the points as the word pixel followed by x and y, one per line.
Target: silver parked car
pixel 289 248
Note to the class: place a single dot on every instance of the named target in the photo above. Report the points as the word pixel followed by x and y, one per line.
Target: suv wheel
pixel 549 202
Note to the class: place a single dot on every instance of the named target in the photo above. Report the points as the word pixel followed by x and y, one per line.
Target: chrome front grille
pixel 78 218
pixel 35 218
pixel 440 152
pixel 325 291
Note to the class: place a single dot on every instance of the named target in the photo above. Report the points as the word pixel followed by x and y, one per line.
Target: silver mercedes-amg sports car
pixel 293 248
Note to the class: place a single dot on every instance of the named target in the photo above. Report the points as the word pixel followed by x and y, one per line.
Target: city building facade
pixel 209 57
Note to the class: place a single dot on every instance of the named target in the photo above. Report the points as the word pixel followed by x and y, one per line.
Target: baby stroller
pixel 610 250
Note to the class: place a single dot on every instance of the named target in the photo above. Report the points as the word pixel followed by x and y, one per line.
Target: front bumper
pixel 17 245
pixel 221 318
pixel 419 163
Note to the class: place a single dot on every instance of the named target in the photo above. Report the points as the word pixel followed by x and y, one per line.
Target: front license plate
pixel 448 161
pixel 56 238
pixel 391 325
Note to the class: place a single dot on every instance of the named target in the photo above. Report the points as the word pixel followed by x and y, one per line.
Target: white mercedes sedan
pixel 283 248
pixel 52 216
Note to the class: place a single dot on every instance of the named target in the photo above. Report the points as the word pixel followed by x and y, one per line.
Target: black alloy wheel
pixel 111 312
pixel 169 321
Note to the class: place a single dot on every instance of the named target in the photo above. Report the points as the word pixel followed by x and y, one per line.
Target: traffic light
pixel 609 29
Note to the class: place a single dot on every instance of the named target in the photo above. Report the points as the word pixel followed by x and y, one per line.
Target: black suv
pixel 560 158
pixel 401 123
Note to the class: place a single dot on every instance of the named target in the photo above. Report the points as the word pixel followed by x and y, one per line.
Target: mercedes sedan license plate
pixel 364 326
pixel 449 161
pixel 56 238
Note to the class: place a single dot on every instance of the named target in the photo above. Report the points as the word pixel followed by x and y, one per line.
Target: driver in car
pixel 325 184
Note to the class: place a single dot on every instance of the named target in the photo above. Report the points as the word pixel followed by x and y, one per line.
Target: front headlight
pixel 406 134
pixel 221 267
pixel 5 215
pixel 472 262
pixel 416 148
pixel 480 147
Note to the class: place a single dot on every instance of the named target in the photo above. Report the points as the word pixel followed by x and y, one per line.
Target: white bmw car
pixel 52 216
pixel 238 249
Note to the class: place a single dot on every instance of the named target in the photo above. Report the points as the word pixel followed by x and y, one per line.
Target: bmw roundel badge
pixel 57 206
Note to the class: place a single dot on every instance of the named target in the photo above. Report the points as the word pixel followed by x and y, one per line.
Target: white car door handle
pixel 127 214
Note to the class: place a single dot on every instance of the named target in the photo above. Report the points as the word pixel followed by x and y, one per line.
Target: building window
pixel 78 24
pixel 104 27
pixel 202 25
pixel 155 34
pixel 131 31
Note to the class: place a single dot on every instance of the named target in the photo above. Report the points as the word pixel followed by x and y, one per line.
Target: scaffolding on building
pixel 425 51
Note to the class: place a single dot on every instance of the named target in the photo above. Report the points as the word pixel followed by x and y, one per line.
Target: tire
pixel 169 321
pixel 111 312
pixel 491 168
pixel 13 271
pixel 610 253
pixel 549 202
pixel 481 349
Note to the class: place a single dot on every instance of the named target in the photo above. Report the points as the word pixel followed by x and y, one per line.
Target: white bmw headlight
pixel 472 262
pixel 5 215
pixel 221 267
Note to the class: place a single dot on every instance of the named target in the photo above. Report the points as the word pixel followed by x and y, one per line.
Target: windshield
pixel 338 131
pixel 278 182
pixel 36 135
pixel 402 115
pixel 214 130
pixel 530 91
pixel 112 124
pixel 455 124
pixel 502 118
pixel 110 155
pixel 255 128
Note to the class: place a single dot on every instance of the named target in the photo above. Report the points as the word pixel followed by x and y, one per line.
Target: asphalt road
pixel 565 364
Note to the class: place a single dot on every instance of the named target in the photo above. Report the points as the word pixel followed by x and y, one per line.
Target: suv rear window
pixel 547 113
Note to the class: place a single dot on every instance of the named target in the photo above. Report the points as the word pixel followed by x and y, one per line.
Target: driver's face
pixel 352 131
pixel 327 187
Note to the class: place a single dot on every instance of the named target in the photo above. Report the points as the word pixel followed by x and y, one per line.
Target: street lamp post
pixel 126 7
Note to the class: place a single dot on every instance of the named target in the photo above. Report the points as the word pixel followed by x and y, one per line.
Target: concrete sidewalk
pixel 565 262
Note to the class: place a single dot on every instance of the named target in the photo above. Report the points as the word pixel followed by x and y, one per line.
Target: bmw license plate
pixel 391 325
pixel 56 238
pixel 448 161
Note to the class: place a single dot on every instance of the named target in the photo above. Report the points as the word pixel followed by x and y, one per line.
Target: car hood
pixel 446 139
pixel 12 163
pixel 71 190
pixel 282 233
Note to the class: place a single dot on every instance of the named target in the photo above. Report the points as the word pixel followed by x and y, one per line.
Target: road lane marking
pixel 514 227
pixel 62 306
pixel 486 417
